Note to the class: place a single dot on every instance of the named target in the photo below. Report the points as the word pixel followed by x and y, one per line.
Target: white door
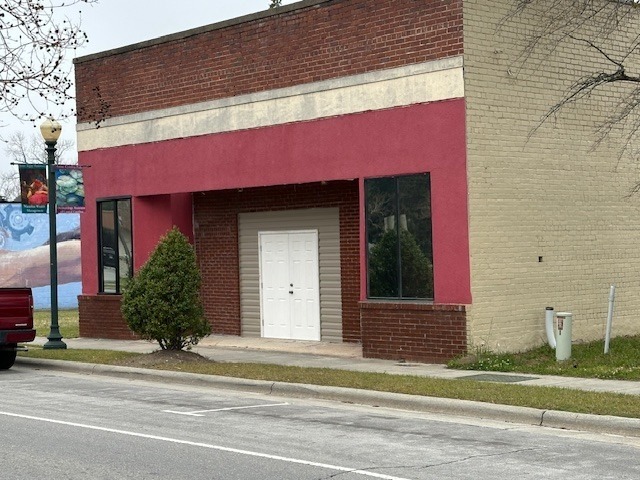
pixel 289 285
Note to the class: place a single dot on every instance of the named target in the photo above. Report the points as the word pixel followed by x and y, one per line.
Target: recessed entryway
pixel 289 285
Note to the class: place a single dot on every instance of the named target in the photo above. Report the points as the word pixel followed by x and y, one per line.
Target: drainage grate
pixel 490 377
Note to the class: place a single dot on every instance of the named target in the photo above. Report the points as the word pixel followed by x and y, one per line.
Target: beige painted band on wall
pixel 421 83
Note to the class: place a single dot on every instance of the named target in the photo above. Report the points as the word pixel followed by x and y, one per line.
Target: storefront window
pixel 399 249
pixel 115 244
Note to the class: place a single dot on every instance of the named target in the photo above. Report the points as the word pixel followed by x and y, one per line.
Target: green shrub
pixel 162 302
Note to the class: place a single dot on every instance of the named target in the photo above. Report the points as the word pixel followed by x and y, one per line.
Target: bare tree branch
pixel 598 25
pixel 35 38
pixel 558 19
pixel 586 85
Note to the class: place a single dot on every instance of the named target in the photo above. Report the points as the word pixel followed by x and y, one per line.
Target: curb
pixel 604 424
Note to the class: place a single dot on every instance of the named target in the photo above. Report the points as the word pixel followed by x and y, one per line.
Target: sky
pixel 116 23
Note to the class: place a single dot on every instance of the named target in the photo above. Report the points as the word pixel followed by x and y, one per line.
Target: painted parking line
pixel 219 448
pixel 199 413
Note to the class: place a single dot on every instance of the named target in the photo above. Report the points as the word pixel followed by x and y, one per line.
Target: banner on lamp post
pixel 69 189
pixel 34 191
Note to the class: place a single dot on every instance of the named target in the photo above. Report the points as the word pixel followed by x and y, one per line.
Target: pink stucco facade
pixel 161 176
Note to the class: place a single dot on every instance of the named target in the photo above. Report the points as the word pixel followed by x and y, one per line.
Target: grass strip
pixel 104 357
pixel 67 322
pixel 547 398
pixel 588 360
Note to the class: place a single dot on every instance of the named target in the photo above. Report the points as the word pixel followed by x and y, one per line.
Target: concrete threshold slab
pixel 333 349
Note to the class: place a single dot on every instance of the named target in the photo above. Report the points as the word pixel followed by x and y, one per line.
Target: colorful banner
pixel 34 192
pixel 24 254
pixel 69 189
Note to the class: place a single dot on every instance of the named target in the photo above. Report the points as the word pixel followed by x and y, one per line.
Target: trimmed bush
pixel 162 300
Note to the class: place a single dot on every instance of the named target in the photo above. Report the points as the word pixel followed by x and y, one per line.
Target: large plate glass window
pixel 399 240
pixel 115 244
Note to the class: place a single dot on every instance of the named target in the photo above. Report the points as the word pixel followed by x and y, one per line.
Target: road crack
pixel 374 469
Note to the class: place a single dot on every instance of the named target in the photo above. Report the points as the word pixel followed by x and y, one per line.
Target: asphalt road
pixel 58 425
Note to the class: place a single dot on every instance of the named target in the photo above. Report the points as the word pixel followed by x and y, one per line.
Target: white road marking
pixel 197 413
pixel 207 445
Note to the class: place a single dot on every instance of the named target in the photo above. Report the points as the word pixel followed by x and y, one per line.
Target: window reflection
pixel 399 237
pixel 115 244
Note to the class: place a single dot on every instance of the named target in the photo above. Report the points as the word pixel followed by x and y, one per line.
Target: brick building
pixel 358 171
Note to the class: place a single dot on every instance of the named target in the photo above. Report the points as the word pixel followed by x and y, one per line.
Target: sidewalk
pixel 349 357
pixel 345 356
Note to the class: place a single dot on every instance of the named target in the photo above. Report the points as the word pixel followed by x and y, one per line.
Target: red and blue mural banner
pixel 24 254
pixel 69 189
pixel 34 192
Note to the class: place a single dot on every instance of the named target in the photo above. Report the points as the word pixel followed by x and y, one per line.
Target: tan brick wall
pixel 548 196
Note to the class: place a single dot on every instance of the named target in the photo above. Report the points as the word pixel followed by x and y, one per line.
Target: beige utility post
pixel 563 336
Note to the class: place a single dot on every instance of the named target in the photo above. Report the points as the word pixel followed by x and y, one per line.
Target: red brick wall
pixel 407 331
pixel 100 317
pixel 413 332
pixel 350 268
pixel 216 220
pixel 216 234
pixel 324 40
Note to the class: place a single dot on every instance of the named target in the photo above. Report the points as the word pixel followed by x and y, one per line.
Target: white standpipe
pixel 607 337
pixel 551 338
pixel 563 348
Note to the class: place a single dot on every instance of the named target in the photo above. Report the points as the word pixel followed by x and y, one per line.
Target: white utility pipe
pixel 551 337
pixel 607 337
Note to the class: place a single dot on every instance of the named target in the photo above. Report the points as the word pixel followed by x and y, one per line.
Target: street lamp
pixel 51 130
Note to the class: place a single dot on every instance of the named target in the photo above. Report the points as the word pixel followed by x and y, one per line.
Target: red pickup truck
pixel 16 323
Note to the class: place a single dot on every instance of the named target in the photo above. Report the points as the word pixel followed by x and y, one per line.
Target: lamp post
pixel 51 130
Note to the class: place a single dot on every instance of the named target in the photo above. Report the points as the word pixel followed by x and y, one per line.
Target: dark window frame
pixel 397 228
pixel 116 254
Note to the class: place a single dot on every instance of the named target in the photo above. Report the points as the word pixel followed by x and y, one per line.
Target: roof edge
pixel 204 29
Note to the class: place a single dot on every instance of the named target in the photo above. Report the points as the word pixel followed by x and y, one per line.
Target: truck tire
pixel 7 356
